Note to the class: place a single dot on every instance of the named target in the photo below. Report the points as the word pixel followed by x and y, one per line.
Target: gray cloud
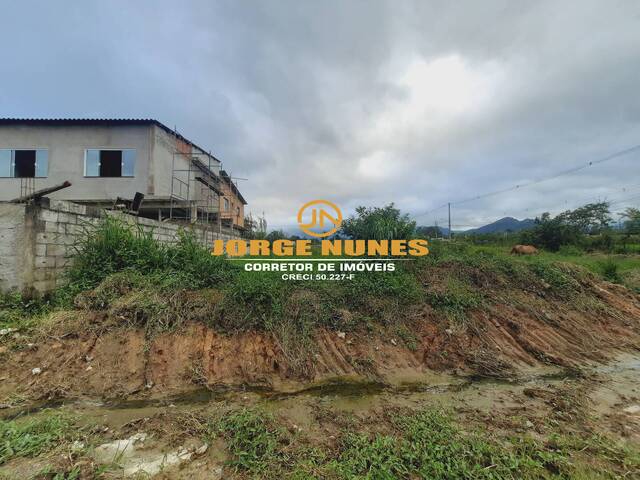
pixel 359 102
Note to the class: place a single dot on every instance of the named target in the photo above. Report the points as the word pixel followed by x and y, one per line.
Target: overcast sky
pixel 358 102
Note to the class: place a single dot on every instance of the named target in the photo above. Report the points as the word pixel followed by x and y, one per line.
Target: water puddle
pixel 342 393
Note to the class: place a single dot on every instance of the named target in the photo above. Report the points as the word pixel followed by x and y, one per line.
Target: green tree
pixel 551 233
pixel 590 218
pixel 632 222
pixel 274 235
pixel 378 223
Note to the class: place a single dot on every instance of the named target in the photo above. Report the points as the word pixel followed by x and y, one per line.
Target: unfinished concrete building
pixel 108 159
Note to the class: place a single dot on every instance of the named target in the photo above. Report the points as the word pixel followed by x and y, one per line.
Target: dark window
pixel 110 163
pixel 25 163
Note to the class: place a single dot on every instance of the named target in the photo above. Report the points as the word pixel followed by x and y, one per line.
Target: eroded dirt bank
pixel 532 331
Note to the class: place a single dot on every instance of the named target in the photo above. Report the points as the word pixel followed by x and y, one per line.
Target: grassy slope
pixel 144 284
pixel 627 265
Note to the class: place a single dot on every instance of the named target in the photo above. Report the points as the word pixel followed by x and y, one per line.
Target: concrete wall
pixel 13 231
pixel 66 147
pixel 36 243
pixel 163 147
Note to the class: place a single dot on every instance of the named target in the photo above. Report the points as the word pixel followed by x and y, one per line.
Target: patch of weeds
pixel 455 299
pixel 114 246
pixel 133 300
pixel 250 302
pixel 407 336
pixel 33 436
pixel 21 313
pixel 398 285
pixel 53 473
pixel 309 463
pixel 252 439
pixel 429 445
pixel 110 289
pixel 570 251
pixel 622 459
pixel 557 277
pixel 365 457
pixel 294 331
pixel 609 271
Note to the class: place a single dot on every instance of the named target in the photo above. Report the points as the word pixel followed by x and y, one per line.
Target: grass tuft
pixel 31 437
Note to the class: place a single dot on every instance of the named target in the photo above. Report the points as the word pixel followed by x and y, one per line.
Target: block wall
pixel 37 243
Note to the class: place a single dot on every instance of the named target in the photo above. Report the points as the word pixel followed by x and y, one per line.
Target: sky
pixel 356 102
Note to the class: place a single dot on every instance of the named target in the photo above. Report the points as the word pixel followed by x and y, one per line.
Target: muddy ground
pixel 530 364
pixel 601 400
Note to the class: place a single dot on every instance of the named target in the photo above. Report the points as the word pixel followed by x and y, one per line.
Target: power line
pixel 629 189
pixel 607 158
pixel 551 177
pixel 624 200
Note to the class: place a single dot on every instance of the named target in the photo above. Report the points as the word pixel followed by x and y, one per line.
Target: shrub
pixel 551 233
pixel 386 223
pixel 117 247
pixel 609 270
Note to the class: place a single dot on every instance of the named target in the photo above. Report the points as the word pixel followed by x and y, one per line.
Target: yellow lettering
pixel 377 247
pixel 418 247
pixel 236 248
pixel 331 247
pixel 354 248
pixel 398 247
pixel 282 247
pixel 303 248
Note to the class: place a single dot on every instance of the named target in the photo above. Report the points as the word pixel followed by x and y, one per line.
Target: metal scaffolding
pixel 195 190
pixel 200 190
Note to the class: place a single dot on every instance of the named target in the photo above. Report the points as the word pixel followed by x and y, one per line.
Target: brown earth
pixel 533 330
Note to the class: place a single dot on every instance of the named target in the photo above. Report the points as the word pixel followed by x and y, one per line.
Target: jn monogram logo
pixel 321 212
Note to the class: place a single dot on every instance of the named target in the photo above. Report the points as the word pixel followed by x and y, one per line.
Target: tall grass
pixel 116 247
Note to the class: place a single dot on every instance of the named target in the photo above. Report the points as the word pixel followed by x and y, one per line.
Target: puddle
pixel 345 393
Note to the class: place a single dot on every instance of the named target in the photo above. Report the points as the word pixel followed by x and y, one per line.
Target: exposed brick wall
pixel 37 243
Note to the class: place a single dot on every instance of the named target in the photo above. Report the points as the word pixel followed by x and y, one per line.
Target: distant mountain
pixel 506 224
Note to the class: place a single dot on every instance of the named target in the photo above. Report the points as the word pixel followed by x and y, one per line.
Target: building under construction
pixel 136 164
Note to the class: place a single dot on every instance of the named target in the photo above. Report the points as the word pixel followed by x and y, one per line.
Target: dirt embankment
pixel 502 339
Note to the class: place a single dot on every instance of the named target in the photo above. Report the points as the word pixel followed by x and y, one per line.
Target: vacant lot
pixel 469 363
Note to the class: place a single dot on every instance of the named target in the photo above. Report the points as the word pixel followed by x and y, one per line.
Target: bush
pixel 609 270
pixel 116 247
pixel 378 224
pixel 551 233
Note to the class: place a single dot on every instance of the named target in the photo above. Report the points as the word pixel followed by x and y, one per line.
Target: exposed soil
pixel 532 332
pixel 595 402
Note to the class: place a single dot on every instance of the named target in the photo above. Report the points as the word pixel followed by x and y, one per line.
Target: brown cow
pixel 524 250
